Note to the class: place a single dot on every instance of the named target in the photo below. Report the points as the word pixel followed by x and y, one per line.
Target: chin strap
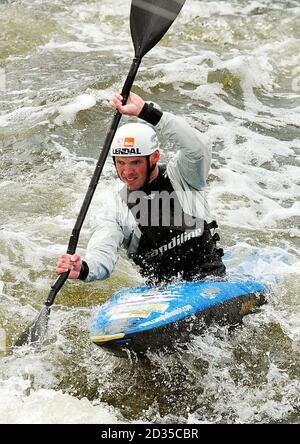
pixel 150 170
pixel 114 160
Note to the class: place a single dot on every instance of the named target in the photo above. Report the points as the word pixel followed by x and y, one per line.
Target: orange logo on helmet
pixel 129 141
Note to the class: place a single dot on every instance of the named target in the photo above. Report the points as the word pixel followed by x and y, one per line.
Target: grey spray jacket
pixel 187 171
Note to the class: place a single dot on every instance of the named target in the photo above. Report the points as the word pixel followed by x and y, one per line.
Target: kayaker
pixel 160 214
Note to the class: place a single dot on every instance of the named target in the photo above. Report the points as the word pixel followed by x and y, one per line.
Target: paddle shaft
pixel 55 288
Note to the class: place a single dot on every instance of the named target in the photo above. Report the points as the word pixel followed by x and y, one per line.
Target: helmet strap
pixel 150 170
pixel 114 160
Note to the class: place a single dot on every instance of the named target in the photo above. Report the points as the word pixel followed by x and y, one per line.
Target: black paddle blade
pixel 150 20
pixel 35 333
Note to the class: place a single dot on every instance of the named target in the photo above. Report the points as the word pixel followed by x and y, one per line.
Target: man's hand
pixel 68 262
pixel 133 105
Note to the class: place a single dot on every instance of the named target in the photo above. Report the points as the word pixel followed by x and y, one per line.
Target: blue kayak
pixel 146 317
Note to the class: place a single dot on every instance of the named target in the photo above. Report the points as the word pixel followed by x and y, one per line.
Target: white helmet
pixel 134 139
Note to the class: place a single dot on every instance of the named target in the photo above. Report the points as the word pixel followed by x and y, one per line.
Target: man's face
pixel 132 171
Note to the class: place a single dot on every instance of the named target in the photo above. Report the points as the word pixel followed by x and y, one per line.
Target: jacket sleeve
pixel 193 158
pixel 102 250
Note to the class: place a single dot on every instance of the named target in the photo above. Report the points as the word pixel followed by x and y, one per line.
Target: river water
pixel 232 69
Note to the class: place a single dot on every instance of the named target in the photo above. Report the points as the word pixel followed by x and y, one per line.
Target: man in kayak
pixel 160 215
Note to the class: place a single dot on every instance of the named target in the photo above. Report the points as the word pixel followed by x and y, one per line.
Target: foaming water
pixel 230 68
pixel 22 406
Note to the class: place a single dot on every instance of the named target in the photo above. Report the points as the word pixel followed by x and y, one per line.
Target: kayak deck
pixel 143 318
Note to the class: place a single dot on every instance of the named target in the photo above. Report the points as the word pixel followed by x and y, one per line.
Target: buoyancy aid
pixel 172 243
